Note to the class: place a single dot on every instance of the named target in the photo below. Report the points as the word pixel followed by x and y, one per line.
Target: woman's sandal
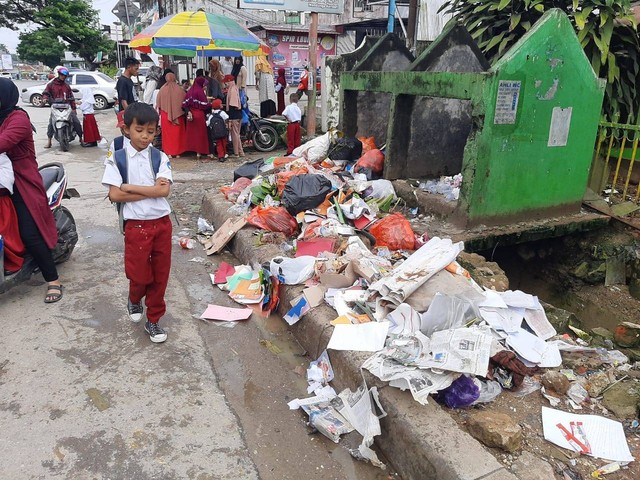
pixel 53 297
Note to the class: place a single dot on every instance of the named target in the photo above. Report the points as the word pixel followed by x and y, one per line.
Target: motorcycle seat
pixel 49 174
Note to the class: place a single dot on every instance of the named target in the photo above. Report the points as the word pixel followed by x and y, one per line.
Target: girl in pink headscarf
pixel 196 105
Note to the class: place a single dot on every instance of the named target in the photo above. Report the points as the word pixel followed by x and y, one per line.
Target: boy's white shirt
pixel 6 173
pixel 222 114
pixel 292 112
pixel 140 173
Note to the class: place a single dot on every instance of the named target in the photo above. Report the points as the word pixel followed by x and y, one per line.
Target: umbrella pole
pixel 313 58
pixel 161 14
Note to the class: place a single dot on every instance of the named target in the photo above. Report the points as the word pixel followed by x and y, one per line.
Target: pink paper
pixel 227 314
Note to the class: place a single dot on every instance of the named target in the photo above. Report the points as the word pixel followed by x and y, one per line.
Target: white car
pixel 137 80
pixel 5 75
pixel 103 87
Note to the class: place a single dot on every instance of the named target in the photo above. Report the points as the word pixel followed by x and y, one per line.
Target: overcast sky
pixel 10 38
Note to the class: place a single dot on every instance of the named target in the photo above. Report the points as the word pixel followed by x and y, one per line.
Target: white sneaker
pixel 156 333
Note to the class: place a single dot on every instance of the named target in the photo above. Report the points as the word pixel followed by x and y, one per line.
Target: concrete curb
pixel 422 442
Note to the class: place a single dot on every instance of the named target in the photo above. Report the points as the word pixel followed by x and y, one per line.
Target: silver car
pixel 103 87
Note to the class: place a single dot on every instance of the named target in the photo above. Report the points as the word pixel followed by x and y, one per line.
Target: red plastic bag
pixel 231 193
pixel 393 231
pixel 273 219
pixel 373 160
pixel 368 143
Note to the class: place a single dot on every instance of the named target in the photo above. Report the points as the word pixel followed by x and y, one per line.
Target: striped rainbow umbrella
pixel 201 33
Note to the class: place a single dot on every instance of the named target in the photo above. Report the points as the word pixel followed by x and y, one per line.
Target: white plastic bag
pixel 293 270
pixel 381 189
pixel 314 150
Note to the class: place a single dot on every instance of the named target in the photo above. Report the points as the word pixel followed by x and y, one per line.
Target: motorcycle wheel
pixel 265 139
pixel 67 234
pixel 64 140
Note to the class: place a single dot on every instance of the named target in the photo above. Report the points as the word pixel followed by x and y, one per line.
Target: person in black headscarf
pixel 35 220
pixel 162 79
pixel 239 72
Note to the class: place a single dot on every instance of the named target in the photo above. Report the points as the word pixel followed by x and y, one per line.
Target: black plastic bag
pixel 304 192
pixel 371 175
pixel 347 148
pixel 248 169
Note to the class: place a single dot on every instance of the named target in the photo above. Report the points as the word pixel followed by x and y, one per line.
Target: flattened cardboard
pixel 339 280
pixel 224 234
pixel 314 295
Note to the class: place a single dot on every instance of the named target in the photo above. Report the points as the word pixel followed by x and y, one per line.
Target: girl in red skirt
pixel 90 130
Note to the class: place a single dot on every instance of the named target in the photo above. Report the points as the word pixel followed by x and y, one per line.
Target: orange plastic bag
pixel 280 161
pixel 273 219
pixel 283 177
pixel 372 160
pixel 393 231
pixel 368 143
pixel 231 192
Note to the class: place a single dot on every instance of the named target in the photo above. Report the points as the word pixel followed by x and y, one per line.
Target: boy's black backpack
pixel 121 159
pixel 217 127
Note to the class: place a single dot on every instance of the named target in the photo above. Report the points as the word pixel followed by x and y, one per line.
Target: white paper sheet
pixel 519 299
pixel 363 337
pixel 527 345
pixel 606 437
pixel 463 350
pixel 539 323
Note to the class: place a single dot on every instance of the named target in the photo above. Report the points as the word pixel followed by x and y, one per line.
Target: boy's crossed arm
pixel 132 193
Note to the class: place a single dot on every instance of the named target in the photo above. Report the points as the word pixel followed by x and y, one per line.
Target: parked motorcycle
pixel 262 133
pixel 63 124
pixel 55 184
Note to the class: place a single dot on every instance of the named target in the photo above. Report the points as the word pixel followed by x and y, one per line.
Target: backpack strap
pixel 118 143
pixel 120 157
pixel 155 158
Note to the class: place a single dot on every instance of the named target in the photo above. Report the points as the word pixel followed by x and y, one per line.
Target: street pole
pixel 391 23
pixel 412 26
pixel 161 14
pixel 313 58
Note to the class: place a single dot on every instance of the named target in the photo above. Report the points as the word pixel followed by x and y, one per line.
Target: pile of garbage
pixel 398 294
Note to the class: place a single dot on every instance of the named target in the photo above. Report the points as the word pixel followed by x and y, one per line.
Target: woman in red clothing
pixel 172 116
pixel 35 220
pixel 196 104
pixel 281 86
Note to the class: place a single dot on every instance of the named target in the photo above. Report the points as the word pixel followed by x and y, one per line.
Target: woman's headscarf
pixel 233 93
pixel 215 70
pixel 154 73
pixel 195 94
pixel 235 71
pixel 163 78
pixel 170 97
pixel 87 96
pixel 9 97
pixel 281 78
pixel 263 66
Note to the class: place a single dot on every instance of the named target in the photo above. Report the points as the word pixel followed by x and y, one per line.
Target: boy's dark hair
pixel 294 97
pixel 130 61
pixel 142 113
pixel 200 72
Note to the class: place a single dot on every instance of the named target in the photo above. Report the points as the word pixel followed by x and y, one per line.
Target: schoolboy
pixel 147 226
pixel 293 115
pixel 218 141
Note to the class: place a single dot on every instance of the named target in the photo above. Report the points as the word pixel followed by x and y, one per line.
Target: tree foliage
pixel 606 30
pixel 74 22
pixel 41 46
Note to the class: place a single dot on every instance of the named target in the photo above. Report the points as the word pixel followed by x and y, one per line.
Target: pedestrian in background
pixel 218 131
pixel 151 85
pixel 281 86
pixel 90 130
pixel 196 104
pixel 303 86
pixel 265 86
pixel 172 116
pixel 226 64
pixel 234 110
pixel 240 74
pixel 142 191
pixel 125 88
pixel 216 80
pixel 293 115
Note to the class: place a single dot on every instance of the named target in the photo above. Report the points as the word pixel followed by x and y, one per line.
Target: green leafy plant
pixel 606 30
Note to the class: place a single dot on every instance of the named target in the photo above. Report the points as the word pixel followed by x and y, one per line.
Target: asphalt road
pixel 84 394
